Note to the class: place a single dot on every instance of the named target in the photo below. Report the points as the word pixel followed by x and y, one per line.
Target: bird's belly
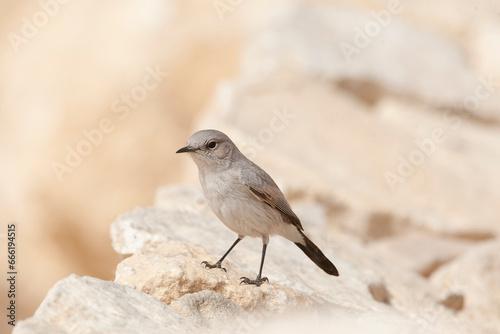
pixel 248 217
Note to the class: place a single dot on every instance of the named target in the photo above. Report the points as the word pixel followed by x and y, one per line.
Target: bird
pixel 246 199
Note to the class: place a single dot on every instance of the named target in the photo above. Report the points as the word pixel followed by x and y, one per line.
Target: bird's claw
pixel 257 282
pixel 211 266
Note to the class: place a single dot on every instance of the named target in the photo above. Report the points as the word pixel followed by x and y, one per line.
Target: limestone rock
pixel 145 227
pixel 372 295
pixel 474 276
pixel 361 135
pixel 173 270
pixel 175 197
pixel 372 162
pixel 333 42
pixel 485 46
pixel 433 251
pixel 90 305
pixel 208 309
pixel 169 268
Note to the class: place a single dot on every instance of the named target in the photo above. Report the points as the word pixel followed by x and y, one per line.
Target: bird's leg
pixel 259 280
pixel 218 263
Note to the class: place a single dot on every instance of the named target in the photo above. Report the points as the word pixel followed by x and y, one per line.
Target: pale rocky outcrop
pixel 168 244
pixel 359 161
pixel 164 266
pixel 90 305
pixel 385 147
pixel 432 252
pixel 354 48
pixel 474 276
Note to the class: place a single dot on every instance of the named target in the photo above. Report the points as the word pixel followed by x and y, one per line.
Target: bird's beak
pixel 186 150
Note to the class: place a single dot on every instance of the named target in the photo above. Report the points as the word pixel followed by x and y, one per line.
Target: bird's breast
pixel 234 204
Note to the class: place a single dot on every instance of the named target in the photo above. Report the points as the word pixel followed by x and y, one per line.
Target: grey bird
pixel 246 199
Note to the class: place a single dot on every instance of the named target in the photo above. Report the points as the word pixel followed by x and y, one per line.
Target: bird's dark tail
pixel 317 256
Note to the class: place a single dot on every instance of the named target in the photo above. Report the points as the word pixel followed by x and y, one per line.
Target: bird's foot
pixel 258 281
pixel 211 266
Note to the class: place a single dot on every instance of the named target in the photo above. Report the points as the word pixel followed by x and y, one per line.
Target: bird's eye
pixel 212 145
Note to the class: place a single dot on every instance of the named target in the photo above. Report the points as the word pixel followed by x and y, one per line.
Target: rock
pixel 90 305
pixel 396 170
pixel 208 309
pixel 370 163
pixel 433 251
pixel 359 322
pixel 357 60
pixel 383 145
pixel 145 227
pixel 168 245
pixel 173 270
pixel 181 197
pixel 473 278
pixel 484 42
pixel 167 264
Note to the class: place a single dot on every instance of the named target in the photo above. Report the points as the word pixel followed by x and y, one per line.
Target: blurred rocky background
pixel 379 119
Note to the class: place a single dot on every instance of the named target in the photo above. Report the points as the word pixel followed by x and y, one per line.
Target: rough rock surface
pixel 90 305
pixel 319 41
pixel 392 183
pixel 169 242
pixel 175 239
pixel 387 146
pixel 433 251
pixel 475 277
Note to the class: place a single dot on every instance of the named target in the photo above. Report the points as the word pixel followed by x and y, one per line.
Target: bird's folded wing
pixel 271 195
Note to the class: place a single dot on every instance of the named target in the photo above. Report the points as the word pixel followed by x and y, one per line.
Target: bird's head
pixel 210 148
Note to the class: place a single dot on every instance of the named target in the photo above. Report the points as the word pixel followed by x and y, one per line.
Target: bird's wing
pixel 263 187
